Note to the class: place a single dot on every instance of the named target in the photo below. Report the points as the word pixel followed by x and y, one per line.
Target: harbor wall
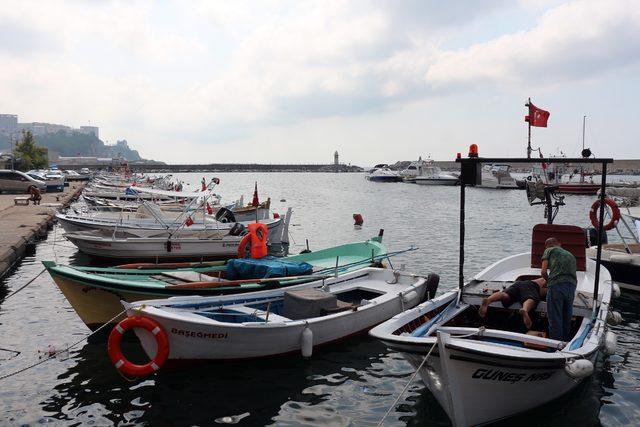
pixel 22 226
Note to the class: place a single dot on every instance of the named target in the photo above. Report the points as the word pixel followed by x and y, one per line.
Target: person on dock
pixel 559 269
pixel 526 292
pixel 36 196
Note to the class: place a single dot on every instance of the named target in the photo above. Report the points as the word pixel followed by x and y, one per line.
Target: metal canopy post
pixel 461 267
pixel 603 186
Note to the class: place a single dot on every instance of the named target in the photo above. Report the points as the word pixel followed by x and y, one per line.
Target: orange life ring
pixel 242 246
pixel 615 214
pixel 115 352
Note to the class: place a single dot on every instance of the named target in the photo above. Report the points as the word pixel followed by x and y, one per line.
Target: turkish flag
pixel 188 222
pixel 209 209
pixel 537 117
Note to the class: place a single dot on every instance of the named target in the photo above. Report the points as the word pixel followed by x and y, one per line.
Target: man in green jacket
pixel 561 283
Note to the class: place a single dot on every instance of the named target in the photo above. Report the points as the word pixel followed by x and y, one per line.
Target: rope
pixel 479 332
pixel 55 353
pixel 25 285
pixel 413 376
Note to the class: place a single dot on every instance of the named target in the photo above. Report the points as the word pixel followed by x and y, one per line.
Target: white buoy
pixel 614 318
pixel 579 368
pixel 615 290
pixel 409 296
pixel 306 342
pixel 610 343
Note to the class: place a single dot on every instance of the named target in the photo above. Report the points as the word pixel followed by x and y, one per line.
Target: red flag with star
pixel 537 116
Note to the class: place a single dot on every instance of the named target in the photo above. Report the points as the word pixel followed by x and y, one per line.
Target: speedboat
pixel 497 176
pixel 414 169
pixel 484 369
pixel 268 323
pixel 382 173
pixel 96 293
pixel 433 175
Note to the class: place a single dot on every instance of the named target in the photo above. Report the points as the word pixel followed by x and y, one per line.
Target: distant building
pixel 336 158
pixel 9 126
pixel 89 130
pixel 8 123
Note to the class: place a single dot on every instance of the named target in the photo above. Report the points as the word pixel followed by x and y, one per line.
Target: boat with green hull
pixel 96 293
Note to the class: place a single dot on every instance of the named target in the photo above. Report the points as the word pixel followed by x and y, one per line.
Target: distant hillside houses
pixel 10 126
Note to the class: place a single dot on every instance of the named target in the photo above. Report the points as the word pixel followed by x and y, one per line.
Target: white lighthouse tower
pixel 336 161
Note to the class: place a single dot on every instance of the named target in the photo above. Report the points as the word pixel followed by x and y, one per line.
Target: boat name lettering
pixel 512 377
pixel 195 334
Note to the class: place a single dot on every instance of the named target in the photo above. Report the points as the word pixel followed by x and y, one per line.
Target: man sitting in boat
pixel 526 292
pixel 559 269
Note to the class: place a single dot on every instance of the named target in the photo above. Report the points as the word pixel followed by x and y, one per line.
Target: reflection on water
pixel 352 383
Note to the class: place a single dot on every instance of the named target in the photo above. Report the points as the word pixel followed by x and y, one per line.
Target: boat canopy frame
pixel 470 168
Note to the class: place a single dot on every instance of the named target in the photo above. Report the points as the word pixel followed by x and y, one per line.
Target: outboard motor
pixel 237 229
pixel 592 237
pixel 433 280
pixel 225 215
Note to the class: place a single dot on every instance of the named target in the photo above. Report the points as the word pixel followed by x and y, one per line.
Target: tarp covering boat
pixel 264 268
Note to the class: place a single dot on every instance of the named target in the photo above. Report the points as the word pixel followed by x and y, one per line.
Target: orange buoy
pixel 358 219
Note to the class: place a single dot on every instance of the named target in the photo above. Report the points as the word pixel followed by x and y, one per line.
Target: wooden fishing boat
pixel 95 293
pixel 483 369
pixel 272 322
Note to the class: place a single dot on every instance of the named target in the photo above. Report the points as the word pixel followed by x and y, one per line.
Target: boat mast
pixel 528 105
pixel 601 232
pixel 584 120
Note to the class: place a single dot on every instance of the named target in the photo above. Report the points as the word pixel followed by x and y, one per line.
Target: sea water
pixel 351 383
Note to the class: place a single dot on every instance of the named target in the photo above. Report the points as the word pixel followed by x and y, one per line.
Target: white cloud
pixel 571 41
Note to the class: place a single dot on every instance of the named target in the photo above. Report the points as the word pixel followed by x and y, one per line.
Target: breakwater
pixel 22 225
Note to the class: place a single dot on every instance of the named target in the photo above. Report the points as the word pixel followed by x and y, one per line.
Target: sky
pixel 291 81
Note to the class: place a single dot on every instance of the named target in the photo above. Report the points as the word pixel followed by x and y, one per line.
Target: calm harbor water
pixel 352 383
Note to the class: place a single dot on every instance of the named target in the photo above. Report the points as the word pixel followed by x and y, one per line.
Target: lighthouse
pixel 336 161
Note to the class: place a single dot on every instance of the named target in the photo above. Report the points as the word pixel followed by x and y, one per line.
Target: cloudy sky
pixel 291 81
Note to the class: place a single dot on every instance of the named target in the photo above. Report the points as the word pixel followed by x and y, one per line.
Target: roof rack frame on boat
pixel 470 175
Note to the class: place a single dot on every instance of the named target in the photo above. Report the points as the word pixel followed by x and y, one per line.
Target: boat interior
pixel 505 325
pixel 291 305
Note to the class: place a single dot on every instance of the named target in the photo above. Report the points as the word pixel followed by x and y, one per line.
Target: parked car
pixel 18 182
pixel 55 181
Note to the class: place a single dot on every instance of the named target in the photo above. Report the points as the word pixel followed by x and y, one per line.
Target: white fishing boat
pixel 497 176
pixel 433 175
pixel 486 369
pixel 275 322
pixel 382 173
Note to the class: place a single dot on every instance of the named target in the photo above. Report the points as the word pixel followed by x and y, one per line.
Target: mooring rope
pixel 67 348
pixel 413 376
pixel 25 285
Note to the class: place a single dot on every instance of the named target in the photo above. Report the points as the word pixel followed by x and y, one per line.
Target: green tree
pixel 29 155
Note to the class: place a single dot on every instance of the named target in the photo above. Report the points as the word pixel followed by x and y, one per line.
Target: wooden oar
pixel 204 285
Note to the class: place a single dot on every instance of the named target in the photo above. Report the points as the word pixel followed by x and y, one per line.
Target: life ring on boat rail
pixel 615 214
pixel 127 367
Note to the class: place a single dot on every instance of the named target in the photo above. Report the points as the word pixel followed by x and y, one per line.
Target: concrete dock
pixel 22 226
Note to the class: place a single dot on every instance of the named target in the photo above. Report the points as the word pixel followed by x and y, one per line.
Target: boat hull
pixel 155 248
pixel 436 181
pixel 488 389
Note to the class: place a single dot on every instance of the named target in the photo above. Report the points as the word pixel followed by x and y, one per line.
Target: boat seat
pixel 572 238
pixel 306 303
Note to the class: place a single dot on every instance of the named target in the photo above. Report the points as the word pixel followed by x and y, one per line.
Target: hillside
pixel 78 144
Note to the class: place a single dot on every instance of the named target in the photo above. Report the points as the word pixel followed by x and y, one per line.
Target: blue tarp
pixel 263 268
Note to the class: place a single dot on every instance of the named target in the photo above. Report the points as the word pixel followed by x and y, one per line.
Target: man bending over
pixel 526 292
